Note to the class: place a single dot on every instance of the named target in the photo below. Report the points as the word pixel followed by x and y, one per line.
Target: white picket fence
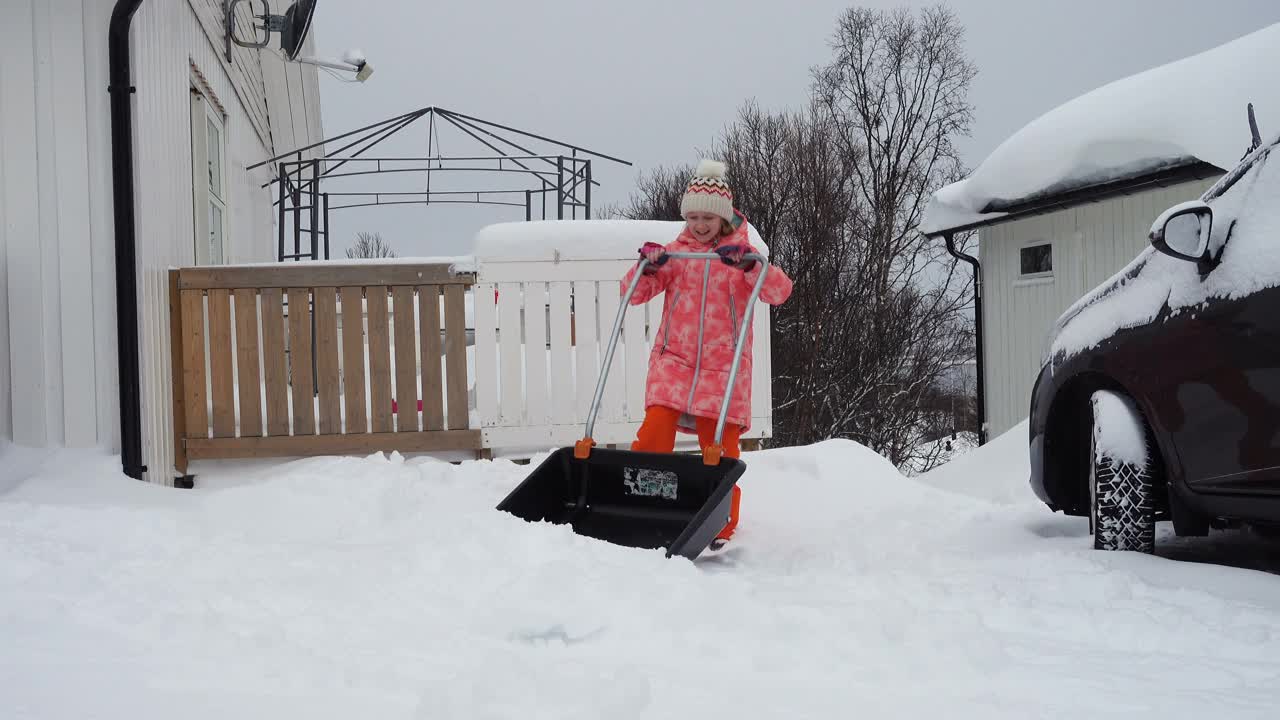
pixel 531 395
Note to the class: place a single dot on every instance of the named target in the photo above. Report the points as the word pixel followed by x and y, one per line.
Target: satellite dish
pixel 297 22
pixel 293 27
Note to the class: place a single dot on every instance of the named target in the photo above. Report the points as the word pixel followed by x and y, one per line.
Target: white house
pixel 188 123
pixel 1068 200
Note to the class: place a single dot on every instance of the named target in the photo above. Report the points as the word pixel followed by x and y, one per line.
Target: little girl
pixel 706 304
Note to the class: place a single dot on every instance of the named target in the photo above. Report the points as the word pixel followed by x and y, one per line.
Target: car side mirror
pixel 1183 230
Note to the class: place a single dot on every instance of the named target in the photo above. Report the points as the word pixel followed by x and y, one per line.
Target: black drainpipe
pixel 977 316
pixel 121 88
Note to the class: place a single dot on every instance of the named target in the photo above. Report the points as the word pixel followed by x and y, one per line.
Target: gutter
pixel 121 89
pixel 977 318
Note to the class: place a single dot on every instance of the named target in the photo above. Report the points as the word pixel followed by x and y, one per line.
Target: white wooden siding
pixel 58 372
pixel 19 220
pixel 294 93
pixel 244 66
pixel 47 390
pixel 101 229
pixel 1090 244
pixel 71 155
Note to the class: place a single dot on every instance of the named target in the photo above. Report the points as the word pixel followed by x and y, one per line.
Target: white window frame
pixel 1038 277
pixel 208 194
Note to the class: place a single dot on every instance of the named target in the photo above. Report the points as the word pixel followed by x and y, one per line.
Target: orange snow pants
pixel 658 434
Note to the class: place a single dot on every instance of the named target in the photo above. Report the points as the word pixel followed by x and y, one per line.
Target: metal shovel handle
pixel 737 356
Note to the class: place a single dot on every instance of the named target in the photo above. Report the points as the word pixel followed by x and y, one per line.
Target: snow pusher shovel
pixel 638 499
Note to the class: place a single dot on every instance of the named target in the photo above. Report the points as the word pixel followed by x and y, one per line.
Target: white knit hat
pixel 708 192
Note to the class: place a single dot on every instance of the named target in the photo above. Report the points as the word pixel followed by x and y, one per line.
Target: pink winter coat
pixel 689 364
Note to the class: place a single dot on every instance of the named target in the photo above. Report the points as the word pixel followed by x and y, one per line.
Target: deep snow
pixel 390 588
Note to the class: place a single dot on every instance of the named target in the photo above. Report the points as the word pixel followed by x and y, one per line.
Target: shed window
pixel 1036 260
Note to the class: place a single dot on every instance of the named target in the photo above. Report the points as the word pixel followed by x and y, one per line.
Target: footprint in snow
pixel 555 634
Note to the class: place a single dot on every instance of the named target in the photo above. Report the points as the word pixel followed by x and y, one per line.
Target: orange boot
pixel 730 443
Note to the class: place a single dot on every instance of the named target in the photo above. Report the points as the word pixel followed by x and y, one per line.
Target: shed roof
pixel 1176 122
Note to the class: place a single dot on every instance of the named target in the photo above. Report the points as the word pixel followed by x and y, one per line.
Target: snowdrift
pixel 390 588
pixel 999 471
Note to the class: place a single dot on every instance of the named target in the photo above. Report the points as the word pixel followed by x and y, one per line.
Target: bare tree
pixel 607 211
pixel 896 92
pixel 370 245
pixel 658 194
pixel 790 177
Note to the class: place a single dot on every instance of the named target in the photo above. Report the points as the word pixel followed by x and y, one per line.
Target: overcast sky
pixel 650 81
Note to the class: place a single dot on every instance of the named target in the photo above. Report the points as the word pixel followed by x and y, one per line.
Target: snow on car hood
pixel 1245 218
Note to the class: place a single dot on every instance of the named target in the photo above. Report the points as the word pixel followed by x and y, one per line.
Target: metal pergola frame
pixel 565 173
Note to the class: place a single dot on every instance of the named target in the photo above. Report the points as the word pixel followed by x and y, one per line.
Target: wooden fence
pixel 299 360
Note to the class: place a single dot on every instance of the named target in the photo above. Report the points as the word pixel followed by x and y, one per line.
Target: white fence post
pixel 486 355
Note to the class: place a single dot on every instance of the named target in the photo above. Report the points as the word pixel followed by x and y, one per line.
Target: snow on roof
pixel 557 240
pixel 950 208
pixel 1191 109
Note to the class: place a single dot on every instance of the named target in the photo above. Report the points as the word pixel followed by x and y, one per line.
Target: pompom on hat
pixel 708 192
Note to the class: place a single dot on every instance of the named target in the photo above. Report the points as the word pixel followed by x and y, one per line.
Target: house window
pixel 208 181
pixel 1036 261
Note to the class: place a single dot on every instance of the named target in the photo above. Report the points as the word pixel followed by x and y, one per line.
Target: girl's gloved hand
pixel 655 254
pixel 733 255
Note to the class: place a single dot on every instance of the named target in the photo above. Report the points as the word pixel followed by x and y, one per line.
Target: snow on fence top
pixel 1190 109
pixel 557 240
pixel 456 263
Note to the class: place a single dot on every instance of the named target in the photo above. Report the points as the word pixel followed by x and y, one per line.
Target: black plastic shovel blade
pixel 644 500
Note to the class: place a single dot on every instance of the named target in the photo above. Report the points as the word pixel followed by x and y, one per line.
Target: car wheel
pixel 1121 491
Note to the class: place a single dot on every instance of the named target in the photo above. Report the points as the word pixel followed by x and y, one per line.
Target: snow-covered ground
pixel 389 588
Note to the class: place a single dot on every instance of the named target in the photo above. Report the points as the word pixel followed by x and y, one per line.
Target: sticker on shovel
pixel 645 482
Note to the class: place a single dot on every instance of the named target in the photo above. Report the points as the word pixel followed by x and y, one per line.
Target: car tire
pixel 1121 491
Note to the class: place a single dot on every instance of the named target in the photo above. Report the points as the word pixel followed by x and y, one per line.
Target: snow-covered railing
pixel 546 295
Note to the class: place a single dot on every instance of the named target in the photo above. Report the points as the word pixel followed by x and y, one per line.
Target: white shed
pixel 1068 200
pixel 60 382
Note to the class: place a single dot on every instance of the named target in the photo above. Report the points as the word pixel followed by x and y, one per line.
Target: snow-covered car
pixel 1159 394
